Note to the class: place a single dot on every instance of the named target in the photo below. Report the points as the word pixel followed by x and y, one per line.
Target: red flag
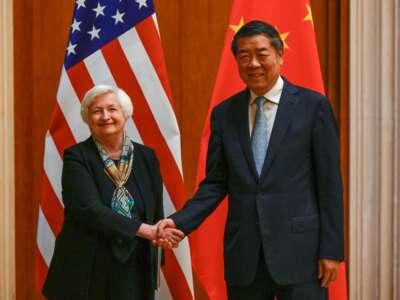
pixel 293 19
pixel 118 44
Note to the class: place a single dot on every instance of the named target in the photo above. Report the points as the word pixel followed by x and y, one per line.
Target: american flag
pixel 115 42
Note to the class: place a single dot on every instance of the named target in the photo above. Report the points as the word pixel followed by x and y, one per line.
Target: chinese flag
pixel 293 19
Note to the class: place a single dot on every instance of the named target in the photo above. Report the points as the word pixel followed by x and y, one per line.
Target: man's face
pixel 259 63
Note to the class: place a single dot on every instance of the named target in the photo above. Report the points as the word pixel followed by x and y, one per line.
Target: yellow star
pixel 309 15
pixel 283 37
pixel 235 28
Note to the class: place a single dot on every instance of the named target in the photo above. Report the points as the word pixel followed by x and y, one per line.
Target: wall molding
pixel 374 150
pixel 7 202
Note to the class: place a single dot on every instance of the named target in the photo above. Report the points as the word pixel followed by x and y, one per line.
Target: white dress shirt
pixel 273 97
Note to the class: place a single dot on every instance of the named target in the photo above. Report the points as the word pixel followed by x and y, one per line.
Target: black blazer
pixel 87 193
pixel 294 210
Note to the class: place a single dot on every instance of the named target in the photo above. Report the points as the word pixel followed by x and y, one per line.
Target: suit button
pixel 300 226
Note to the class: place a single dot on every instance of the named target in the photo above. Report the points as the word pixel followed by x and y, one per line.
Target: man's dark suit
pixel 87 193
pixel 294 210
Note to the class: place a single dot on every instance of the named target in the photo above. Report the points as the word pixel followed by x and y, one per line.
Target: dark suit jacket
pixel 294 210
pixel 87 193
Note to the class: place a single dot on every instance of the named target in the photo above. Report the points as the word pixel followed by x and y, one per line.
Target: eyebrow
pixel 110 105
pixel 258 49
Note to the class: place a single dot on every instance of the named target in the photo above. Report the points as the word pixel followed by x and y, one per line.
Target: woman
pixel 112 191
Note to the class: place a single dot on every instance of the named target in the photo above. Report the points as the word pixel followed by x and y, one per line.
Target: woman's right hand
pixel 147 231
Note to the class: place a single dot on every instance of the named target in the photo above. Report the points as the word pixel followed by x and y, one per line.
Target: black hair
pixel 257 27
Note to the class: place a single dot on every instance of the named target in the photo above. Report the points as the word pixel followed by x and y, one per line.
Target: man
pixel 273 150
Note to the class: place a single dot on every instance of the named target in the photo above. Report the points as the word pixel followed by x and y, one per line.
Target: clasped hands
pixel 168 236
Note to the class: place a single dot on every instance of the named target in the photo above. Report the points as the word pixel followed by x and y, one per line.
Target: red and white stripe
pixel 135 63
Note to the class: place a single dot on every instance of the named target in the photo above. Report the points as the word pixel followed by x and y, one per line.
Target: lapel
pixel 139 172
pixel 240 113
pixel 283 118
pixel 105 185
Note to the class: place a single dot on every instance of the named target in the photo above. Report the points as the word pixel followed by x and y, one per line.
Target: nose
pixel 254 62
pixel 105 115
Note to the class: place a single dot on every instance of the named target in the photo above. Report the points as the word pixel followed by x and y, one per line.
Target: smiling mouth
pixel 258 75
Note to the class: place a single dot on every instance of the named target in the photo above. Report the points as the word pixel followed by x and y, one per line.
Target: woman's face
pixel 105 116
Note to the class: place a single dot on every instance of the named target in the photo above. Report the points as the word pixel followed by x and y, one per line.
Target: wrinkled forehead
pixel 106 99
pixel 259 41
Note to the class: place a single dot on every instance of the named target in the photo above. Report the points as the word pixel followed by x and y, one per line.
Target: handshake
pixel 166 235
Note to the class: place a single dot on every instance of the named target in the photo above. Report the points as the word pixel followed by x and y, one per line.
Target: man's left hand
pixel 327 271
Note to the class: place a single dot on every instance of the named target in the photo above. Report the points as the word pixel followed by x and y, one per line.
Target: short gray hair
pixel 98 90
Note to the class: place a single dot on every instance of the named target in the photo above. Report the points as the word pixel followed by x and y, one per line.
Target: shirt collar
pixel 273 95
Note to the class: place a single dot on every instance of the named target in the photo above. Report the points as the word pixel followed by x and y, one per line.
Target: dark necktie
pixel 259 136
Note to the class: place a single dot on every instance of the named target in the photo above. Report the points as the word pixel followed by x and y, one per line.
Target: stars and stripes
pixel 112 18
pixel 115 42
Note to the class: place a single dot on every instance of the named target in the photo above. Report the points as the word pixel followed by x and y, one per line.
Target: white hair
pixel 98 90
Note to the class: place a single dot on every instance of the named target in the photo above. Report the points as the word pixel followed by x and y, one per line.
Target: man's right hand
pixel 163 224
pixel 167 234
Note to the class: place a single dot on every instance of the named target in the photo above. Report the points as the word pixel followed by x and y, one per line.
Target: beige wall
pixel 374 150
pixel 7 248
